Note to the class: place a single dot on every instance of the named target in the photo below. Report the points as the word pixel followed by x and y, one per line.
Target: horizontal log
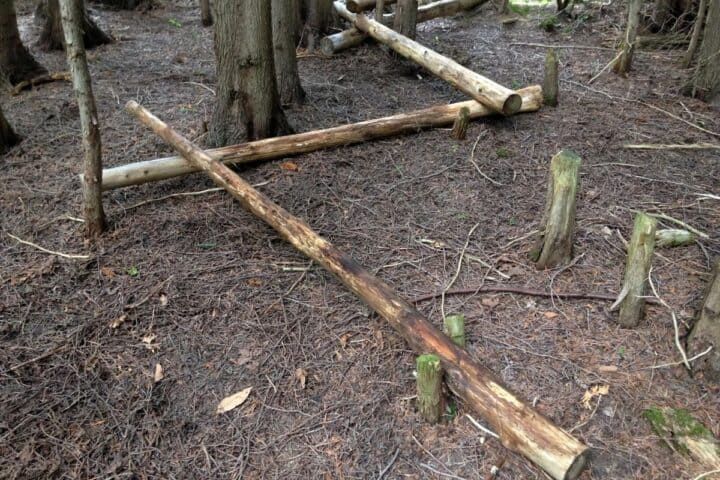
pixel 519 427
pixel 478 87
pixel 358 6
pixel 279 147
pixel 337 42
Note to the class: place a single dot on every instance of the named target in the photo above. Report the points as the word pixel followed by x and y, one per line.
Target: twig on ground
pixel 389 465
pixel 457 271
pixel 605 67
pixel 690 360
pixel 519 291
pixel 681 146
pixel 706 474
pixel 543 45
pixel 52 252
pixel 185 194
pixel 674 319
pixel 477 167
pixel 481 428
pixel 676 221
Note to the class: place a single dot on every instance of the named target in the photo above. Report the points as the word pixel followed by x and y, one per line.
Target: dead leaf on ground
pixel 163 299
pixel 108 272
pixel 550 315
pixel 159 373
pixel 490 302
pixel 607 369
pixel 233 401
pixel 592 392
pixel 255 282
pixel 118 321
pixel 301 375
pixel 290 166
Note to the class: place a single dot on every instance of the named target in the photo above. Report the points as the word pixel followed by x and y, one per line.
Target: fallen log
pixel 359 6
pixel 279 147
pixel 340 41
pixel 520 428
pixel 484 90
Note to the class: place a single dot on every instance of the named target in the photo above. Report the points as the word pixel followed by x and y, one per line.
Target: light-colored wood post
pixel 429 387
pixel 455 329
pixel 639 261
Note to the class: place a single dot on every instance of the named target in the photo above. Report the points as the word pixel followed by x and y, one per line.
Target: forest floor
pixel 212 294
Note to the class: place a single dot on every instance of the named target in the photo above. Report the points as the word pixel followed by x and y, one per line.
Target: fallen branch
pixel 681 146
pixel 521 429
pixel 52 252
pixel 518 290
pixel 46 78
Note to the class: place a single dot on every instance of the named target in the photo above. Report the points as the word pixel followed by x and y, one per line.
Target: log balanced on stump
pixel 484 90
pixel 555 242
pixel 639 261
pixel 279 147
pixel 706 331
pixel 521 429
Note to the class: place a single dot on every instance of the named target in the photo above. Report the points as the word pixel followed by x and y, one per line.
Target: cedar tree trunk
pixel 706 82
pixel 247 104
pixel 319 13
pixel 51 36
pixel 283 27
pixel 16 63
pixel 7 135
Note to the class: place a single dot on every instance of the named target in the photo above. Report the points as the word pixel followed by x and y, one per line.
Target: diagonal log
pixel 521 429
pixel 489 93
pixel 278 147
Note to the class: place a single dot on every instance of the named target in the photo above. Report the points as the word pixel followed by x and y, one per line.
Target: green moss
pixel 657 420
pixel 684 424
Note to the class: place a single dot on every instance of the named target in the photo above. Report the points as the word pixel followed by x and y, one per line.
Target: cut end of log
pixel 326 46
pixel 578 465
pixel 512 104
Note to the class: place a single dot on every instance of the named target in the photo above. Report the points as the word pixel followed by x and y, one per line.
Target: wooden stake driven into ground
pixel 278 147
pixel 484 90
pixel 520 428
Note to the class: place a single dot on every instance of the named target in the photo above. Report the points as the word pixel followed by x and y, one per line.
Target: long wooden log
pixel 279 147
pixel 520 428
pixel 482 89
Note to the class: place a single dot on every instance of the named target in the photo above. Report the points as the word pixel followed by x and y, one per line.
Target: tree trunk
pixel 519 427
pixel 279 147
pixel 16 63
pixel 706 331
pixel 51 35
pixel 247 105
pixel 551 78
pixel 696 31
pixel 317 21
pixel 142 5
pixel 406 17
pixel 627 46
pixel 7 135
pixel 359 6
pixel 72 13
pixel 706 81
pixel 286 68
pixel 206 17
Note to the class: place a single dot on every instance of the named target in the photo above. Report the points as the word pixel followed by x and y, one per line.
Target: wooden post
pixel 627 46
pixel 551 79
pixel 695 37
pixel 706 331
pixel 406 17
pixel 455 329
pixel 71 12
pixel 279 147
pixel 555 242
pixel 429 387
pixel 484 90
pixel 459 130
pixel 639 260
pixel 520 428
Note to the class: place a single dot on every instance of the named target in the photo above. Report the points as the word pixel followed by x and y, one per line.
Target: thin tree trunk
pixel 247 105
pixel 286 68
pixel 318 18
pixel 206 17
pixel 706 81
pixel 627 46
pixel 706 331
pixel 406 17
pixel 8 138
pixel 51 36
pixel 72 13
pixel 16 63
pixel 695 38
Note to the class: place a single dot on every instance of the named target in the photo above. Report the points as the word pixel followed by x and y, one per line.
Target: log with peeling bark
pixel 279 147
pixel 520 428
pixel 482 89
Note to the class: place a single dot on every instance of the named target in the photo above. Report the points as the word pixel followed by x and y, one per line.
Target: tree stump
pixel 627 46
pixel 429 387
pixel 639 260
pixel 455 329
pixel 551 79
pixel 459 129
pixel 706 331
pixel 554 245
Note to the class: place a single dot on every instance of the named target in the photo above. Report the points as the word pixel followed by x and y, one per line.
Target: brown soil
pixel 215 302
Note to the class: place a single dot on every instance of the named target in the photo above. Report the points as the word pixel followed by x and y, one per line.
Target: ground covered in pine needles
pixel 213 295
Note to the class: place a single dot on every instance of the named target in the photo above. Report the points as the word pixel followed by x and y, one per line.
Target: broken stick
pixel 521 429
pixel 279 147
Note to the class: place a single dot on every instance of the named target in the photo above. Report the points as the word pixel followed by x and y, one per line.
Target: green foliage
pixel 502 152
pixel 549 23
pixel 451 411
pixel 174 23
pixel 133 271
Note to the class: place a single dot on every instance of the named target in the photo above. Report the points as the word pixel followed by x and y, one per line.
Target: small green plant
pixel 502 152
pixel 451 411
pixel 516 84
pixel 462 215
pixel 523 10
pixel 207 245
pixel 174 23
pixel 549 23
pixel 513 221
pixel 133 271
pixel 621 353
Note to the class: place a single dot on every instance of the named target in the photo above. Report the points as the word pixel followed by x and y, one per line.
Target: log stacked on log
pixel 520 428
pixel 279 147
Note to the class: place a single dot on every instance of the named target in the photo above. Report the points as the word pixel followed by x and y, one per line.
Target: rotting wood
pixel 459 130
pixel 639 260
pixel 627 45
pixel 551 78
pixel 429 387
pixel 478 87
pixel 685 434
pixel 706 330
pixel 673 237
pixel 454 327
pixel 555 242
pixel 520 428
pixel 41 79
pixel 279 147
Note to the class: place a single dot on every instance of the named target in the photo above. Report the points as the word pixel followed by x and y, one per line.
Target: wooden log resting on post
pixel 639 260
pixel 521 429
pixel 484 90
pixel 278 147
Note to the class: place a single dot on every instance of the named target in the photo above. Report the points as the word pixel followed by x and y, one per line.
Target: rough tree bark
pixel 51 35
pixel 286 68
pixel 318 15
pixel 206 17
pixel 706 331
pixel 247 104
pixel 627 46
pixel 696 31
pixel 8 138
pixel 406 17
pixel 705 84
pixel 72 13
pixel 16 63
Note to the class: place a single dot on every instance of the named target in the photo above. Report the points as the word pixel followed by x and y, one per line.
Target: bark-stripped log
pixel 521 429
pixel 482 89
pixel 340 41
pixel 278 147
